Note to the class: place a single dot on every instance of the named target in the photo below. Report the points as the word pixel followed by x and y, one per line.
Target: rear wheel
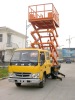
pixel 18 84
pixel 41 84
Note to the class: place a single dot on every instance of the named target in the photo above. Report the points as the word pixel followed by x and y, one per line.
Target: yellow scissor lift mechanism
pixel 45 19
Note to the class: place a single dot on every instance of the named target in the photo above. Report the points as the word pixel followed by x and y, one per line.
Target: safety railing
pixel 43 11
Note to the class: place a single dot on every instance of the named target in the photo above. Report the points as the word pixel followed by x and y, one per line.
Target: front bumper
pixel 19 80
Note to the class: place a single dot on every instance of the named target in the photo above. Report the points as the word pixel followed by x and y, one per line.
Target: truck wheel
pixel 18 84
pixel 41 84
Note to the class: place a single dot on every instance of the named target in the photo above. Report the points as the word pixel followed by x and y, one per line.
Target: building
pixel 9 41
pixel 68 53
pixel 60 54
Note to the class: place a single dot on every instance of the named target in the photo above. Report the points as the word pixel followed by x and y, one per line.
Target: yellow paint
pixel 46 67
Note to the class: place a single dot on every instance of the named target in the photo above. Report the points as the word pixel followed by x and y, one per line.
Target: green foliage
pixel 3 72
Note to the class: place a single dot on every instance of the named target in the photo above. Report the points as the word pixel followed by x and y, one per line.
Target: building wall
pixel 17 41
pixel 8 54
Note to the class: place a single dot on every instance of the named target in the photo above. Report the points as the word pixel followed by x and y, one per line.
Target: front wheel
pixel 41 84
pixel 18 84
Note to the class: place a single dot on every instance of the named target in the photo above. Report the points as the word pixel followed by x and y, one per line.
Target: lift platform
pixel 45 19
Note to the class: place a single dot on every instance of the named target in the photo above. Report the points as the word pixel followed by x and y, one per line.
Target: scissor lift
pixel 45 19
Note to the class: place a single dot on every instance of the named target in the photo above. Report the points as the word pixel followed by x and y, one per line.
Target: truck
pixel 32 65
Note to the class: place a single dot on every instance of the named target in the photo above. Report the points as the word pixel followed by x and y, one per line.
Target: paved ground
pixel 53 90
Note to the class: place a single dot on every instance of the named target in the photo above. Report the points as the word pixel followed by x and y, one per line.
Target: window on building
pixel 8 38
pixel 1 36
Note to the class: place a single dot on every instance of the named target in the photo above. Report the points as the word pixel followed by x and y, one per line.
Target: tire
pixel 18 84
pixel 41 84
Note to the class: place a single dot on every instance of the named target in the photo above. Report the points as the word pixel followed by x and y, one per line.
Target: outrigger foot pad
pixel 61 74
pixel 59 78
pixel 55 76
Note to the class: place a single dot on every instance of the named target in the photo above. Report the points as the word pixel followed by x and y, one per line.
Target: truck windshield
pixel 25 56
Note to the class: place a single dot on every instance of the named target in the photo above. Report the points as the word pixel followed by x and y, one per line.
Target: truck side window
pixel 42 57
pixel 47 55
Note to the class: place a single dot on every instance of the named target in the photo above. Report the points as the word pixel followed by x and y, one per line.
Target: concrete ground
pixel 53 90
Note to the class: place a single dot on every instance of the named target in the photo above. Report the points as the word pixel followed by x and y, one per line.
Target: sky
pixel 14 13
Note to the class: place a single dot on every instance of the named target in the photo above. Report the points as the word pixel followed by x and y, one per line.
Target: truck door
pixel 47 63
pixel 42 63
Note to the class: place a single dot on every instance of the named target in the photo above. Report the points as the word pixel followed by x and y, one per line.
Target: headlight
pixel 35 75
pixel 11 74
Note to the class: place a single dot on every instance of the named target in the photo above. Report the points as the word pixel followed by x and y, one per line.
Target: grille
pixel 25 75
